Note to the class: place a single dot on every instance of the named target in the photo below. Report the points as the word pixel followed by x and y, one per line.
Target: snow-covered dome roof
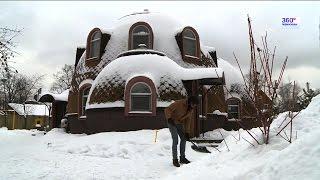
pixel 166 75
pixel 232 74
pixel 164 28
pixel 50 97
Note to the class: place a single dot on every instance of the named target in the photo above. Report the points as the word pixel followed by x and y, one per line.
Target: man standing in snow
pixel 179 116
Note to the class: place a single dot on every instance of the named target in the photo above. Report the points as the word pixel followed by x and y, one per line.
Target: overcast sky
pixel 53 30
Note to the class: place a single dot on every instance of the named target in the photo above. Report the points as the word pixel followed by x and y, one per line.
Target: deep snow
pixel 135 155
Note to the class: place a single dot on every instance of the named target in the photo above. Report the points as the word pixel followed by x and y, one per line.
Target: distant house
pixel 24 116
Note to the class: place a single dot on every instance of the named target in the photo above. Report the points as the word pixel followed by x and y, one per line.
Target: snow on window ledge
pixel 71 114
pixel 164 103
pixel 190 56
pixel 140 112
pixel 83 117
pixel 233 119
pixel 92 58
pixel 219 113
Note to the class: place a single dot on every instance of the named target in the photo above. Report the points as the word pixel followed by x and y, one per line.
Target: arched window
pixel 84 93
pixel 140 96
pixel 94 44
pixel 190 43
pixel 234 108
pixel 140 34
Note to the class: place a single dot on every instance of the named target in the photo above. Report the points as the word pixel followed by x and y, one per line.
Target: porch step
pixel 207 140
pixel 208 144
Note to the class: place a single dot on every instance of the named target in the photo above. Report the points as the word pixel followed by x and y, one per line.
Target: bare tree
pixel 20 88
pixel 286 95
pixel 260 81
pixel 292 106
pixel 7 52
pixel 14 87
pixel 62 79
pixel 7 46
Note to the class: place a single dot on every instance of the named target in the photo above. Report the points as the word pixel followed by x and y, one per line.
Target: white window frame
pixel 91 44
pixel 83 104
pixel 137 35
pixel 194 38
pixel 140 94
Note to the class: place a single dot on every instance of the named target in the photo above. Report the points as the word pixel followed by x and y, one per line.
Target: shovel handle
pixel 193 143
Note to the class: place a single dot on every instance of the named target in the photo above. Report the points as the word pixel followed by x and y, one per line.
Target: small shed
pixel 26 116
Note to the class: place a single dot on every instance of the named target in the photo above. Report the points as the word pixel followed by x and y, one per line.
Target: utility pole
pixel 25 115
pixel 4 92
pixel 5 104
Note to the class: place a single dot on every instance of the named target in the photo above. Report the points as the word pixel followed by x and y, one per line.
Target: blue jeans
pixel 176 130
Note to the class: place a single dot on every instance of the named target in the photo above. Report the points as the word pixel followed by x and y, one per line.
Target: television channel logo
pixel 290 22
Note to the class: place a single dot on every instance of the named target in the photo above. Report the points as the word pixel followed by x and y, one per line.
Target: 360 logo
pixel 290 21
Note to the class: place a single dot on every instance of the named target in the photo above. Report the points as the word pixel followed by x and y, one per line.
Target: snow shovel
pixel 197 148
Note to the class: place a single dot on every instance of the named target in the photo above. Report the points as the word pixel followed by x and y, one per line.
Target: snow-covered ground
pixel 135 155
pixel 112 155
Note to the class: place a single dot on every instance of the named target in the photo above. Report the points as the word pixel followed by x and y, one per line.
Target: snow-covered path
pixel 114 155
pixel 24 157
pixel 135 155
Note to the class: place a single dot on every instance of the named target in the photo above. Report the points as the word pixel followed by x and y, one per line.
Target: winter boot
pixel 176 163
pixel 184 160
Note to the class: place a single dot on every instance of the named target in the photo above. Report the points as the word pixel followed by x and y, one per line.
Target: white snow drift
pixel 136 155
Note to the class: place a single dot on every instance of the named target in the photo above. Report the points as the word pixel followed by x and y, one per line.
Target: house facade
pixel 126 75
pixel 24 116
